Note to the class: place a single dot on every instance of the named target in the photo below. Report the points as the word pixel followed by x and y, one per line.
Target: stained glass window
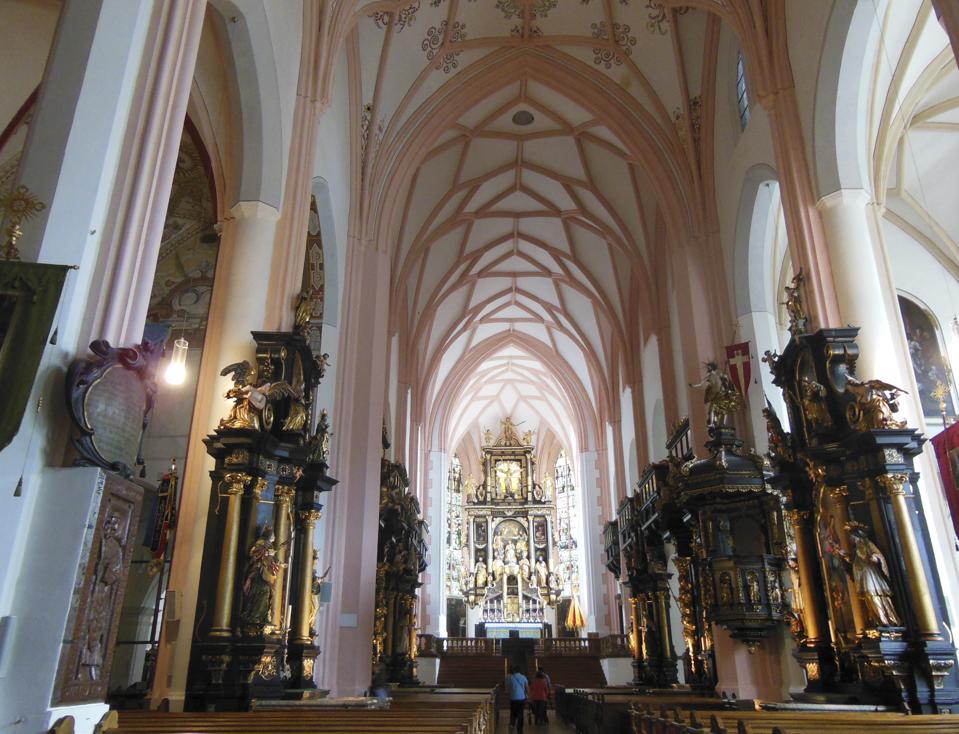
pixel 566 522
pixel 454 528
pixel 742 94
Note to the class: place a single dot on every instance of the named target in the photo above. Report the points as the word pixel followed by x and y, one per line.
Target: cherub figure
pixel 250 398
pixel 721 396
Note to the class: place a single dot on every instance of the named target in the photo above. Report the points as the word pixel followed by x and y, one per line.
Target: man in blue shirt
pixel 517 686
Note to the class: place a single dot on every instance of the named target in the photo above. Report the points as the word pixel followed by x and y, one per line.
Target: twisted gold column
pixel 895 484
pixel 223 607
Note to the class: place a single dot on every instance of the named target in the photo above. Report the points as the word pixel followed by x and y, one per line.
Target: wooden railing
pixel 610 646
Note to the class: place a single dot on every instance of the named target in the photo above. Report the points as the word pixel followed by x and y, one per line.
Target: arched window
pixel 454 528
pixel 742 94
pixel 929 362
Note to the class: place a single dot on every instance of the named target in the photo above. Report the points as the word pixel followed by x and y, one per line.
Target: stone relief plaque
pixel 102 570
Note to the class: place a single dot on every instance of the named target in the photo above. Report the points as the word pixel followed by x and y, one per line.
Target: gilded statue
pixel 752 587
pixel 875 403
pixel 812 396
pixel 469 489
pixel 871 576
pixel 251 398
pixel 794 305
pixel 259 580
pixel 542 573
pixel 779 439
pixel 480 576
pixel 497 568
pixel 721 396
pixel 528 438
pixel 296 418
pixel 524 568
pixel 507 436
pixel 301 314
pixel 725 588
pixel 487 437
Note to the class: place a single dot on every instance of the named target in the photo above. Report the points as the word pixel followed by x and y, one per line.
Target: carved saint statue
pixel 721 396
pixel 542 573
pixel 524 568
pixel 813 399
pixel 508 435
pixel 725 588
pixel 793 303
pixel 497 568
pixel 481 577
pixel 871 575
pixel 259 579
pixel 487 437
pixel 528 438
pixel 752 585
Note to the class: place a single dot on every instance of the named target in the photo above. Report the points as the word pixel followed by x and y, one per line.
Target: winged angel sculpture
pixel 251 400
pixel 721 396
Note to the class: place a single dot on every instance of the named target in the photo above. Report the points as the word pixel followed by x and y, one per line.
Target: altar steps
pixel 472 671
pixel 573 672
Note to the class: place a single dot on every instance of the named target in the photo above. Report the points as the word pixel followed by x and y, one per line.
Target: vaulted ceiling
pixel 544 142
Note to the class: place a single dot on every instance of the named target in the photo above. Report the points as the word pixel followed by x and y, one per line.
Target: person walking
pixel 539 694
pixel 517 686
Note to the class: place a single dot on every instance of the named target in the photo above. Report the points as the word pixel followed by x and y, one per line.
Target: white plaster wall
pixel 736 150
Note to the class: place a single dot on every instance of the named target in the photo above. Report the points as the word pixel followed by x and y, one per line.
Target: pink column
pixel 290 244
pixel 807 242
pixel 134 227
pixel 352 513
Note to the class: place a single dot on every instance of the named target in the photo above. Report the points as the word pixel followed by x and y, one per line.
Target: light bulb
pixel 176 371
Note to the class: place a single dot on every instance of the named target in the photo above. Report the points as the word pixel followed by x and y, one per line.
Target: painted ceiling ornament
pixel 606 56
pixel 514 8
pixel 436 36
pixel 659 16
pixel 403 17
pixel 534 31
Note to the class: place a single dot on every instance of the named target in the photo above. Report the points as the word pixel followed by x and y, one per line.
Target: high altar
pixel 516 581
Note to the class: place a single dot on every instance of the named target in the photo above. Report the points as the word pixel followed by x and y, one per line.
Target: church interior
pixel 463 366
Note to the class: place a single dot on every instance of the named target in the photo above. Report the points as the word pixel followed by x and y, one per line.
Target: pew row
pixel 427 711
pixel 678 720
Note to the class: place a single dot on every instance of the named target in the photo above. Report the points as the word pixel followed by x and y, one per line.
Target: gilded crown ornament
pixel 18 205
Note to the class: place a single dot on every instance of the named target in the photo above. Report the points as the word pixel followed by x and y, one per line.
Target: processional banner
pixel 740 366
pixel 946 445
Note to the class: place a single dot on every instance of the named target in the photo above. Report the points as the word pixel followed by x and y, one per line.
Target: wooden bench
pixel 607 710
pixel 678 720
pixel 427 711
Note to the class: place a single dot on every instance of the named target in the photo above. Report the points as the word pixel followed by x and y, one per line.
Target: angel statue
pixel 250 400
pixel 794 306
pixel 722 397
pixel 875 403
pixel 871 576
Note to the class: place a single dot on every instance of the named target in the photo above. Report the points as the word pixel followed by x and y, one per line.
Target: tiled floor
pixel 555 726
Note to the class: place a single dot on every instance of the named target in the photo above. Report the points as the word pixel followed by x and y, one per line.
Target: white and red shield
pixel 740 366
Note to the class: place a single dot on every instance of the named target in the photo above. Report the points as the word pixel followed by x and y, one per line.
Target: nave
pixel 358 350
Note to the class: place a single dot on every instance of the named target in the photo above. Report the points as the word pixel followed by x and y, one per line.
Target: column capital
pixel 254 210
pixel 845 197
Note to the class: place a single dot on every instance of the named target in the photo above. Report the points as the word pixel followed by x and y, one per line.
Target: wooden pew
pixel 411 712
pixel 649 720
pixel 607 710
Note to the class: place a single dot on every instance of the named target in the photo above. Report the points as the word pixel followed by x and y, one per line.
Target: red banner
pixel 946 445
pixel 740 366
